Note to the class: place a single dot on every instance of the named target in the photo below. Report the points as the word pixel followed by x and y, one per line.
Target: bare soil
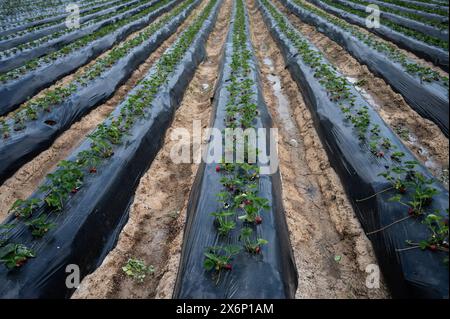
pixel 421 136
pixel 25 181
pixel 157 216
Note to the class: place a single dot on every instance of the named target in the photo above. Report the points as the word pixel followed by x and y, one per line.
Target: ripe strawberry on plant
pixel 253 246
pixel 218 257
pixel 15 255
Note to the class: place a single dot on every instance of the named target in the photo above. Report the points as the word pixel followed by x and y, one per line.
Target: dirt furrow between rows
pixel 330 247
pixel 420 135
pixel 157 214
pixel 27 178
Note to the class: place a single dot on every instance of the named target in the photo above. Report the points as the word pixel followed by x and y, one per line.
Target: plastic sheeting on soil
pixel 270 275
pixel 91 221
pixel 20 25
pixel 428 52
pixel 17 91
pixel 22 146
pixel 412 273
pixel 55 44
pixel 430 100
pixel 427 15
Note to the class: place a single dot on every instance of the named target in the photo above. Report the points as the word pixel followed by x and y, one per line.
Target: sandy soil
pixel 420 135
pixel 157 216
pixel 27 178
pixel 322 224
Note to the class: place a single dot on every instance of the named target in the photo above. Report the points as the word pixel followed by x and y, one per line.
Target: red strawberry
pixel 74 191
pixel 402 190
pixel 228 267
pixel 432 247
pixel 258 220
pixel 93 170
pixel 247 202
pixel 218 168
pixel 410 211
pixel 257 249
pixel 380 154
pixel 21 262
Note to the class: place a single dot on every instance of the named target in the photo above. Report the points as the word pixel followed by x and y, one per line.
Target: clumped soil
pixel 157 214
pixel 330 247
pixel 25 181
pixel 421 136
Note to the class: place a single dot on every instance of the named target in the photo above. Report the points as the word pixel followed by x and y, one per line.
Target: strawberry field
pixel 224 149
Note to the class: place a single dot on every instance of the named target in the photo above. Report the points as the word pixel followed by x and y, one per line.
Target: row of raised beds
pixel 427 15
pixel 389 11
pixel 38 73
pixel 425 90
pixel 236 242
pixel 38 122
pixel 403 209
pixel 425 7
pixel 409 21
pixel 16 36
pixel 424 46
pixel 75 215
pixel 21 53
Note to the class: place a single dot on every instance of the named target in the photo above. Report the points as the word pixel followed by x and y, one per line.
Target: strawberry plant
pixel 15 255
pixel 39 226
pixel 219 258
pixel 252 246
pixel 224 226
pixel 137 269
pixel 67 179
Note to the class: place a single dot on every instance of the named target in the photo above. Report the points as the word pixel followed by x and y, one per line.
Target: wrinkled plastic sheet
pixel 22 146
pixel 409 274
pixel 409 23
pixel 57 15
pixel 430 100
pixel 89 226
pixel 272 274
pixel 17 91
pixel 428 52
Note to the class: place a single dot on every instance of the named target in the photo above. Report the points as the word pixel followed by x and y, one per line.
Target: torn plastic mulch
pixel 271 274
pixel 17 91
pixel 411 273
pixel 21 146
pixel 430 100
pixel 91 221
pixel 36 34
pixel 428 52
pixel 11 62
